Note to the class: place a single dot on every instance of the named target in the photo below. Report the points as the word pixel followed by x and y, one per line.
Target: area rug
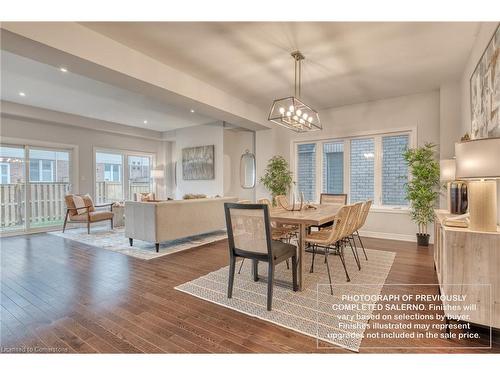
pixel 115 240
pixel 309 311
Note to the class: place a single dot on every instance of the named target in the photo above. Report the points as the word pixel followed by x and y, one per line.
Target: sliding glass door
pixel 108 177
pixel 139 175
pixel 114 182
pixel 12 188
pixel 49 182
pixel 38 200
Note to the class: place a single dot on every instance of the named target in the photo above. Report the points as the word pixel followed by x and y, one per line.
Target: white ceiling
pixel 345 63
pixel 47 87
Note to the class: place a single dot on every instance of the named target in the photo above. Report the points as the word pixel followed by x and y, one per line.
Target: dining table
pixel 306 217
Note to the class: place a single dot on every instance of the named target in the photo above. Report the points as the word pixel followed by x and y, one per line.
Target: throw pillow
pixel 79 202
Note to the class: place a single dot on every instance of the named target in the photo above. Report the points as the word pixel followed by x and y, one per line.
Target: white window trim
pixel 8 172
pixel 377 136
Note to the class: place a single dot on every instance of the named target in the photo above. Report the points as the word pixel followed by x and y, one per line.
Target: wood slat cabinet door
pixel 471 262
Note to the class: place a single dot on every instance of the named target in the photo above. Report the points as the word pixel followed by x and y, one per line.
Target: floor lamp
pixel 479 162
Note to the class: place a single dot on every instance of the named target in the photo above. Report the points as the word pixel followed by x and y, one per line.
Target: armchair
pixel 86 213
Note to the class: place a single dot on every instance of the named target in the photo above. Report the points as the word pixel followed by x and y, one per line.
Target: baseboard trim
pixel 390 236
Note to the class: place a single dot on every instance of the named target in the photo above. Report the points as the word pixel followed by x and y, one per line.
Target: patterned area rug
pixel 115 240
pixel 309 311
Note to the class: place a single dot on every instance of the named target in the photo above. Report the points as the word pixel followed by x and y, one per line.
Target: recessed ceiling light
pixel 192 111
pixel 145 121
pixel 63 69
pixel 22 93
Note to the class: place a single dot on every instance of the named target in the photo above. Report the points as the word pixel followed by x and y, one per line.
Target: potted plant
pixel 277 178
pixel 423 188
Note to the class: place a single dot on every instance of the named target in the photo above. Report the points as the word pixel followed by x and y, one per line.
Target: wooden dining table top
pixel 322 214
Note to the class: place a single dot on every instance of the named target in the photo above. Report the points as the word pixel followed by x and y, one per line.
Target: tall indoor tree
pixel 277 177
pixel 422 190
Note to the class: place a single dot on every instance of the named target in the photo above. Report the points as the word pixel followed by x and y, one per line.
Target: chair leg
pixel 270 281
pixel 361 242
pixel 111 223
pixel 354 253
pixel 294 273
pixel 65 221
pixel 88 227
pixel 287 265
pixel 312 263
pixel 131 241
pixel 341 254
pixel 356 250
pixel 232 266
pixel 241 266
pixel 328 269
pixel 157 246
pixel 255 265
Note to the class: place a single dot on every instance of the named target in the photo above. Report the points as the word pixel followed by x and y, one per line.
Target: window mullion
pixel 377 194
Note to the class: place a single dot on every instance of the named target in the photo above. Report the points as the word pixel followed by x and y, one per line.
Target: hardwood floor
pixel 58 295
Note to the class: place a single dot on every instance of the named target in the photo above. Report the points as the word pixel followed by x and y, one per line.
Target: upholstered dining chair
pixel 361 222
pixel 329 238
pixel 249 237
pixel 81 209
pixel 279 232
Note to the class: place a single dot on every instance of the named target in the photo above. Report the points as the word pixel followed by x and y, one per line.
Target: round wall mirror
pixel 247 170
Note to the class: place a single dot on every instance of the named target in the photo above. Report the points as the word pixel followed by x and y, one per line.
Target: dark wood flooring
pixel 58 295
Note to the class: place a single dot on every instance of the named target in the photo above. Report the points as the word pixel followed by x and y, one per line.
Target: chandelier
pixel 291 112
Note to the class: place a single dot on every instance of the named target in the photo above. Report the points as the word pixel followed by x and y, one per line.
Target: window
pixel 139 175
pixel 109 186
pixel 4 173
pixel 41 170
pixel 367 167
pixel 120 175
pixel 333 167
pixel 362 170
pixel 394 170
pixel 306 170
pixel 112 172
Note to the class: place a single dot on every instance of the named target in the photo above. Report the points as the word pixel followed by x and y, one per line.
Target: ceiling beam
pixel 94 55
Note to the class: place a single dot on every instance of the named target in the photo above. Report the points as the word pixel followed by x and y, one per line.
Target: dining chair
pixel 249 237
pixel 328 198
pixel 361 222
pixel 282 201
pixel 352 223
pixel 279 232
pixel 327 238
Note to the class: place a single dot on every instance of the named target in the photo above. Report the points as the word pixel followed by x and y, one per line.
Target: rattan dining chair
pixel 249 237
pixel 328 198
pixel 361 222
pixel 352 223
pixel 331 237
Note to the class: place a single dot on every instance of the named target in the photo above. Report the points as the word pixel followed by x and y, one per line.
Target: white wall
pixel 236 142
pixel 46 130
pixel 419 111
pixel 204 135
pixel 485 33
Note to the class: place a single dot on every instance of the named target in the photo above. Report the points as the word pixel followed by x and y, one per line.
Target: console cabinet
pixel 463 259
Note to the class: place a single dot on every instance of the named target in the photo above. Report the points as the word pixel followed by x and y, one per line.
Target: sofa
pixel 170 220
